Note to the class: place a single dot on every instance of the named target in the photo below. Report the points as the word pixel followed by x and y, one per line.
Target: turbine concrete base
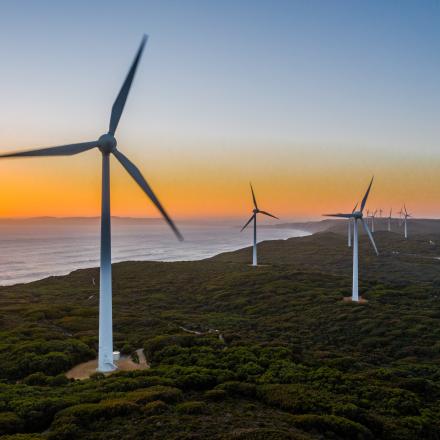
pixel 109 368
pixel 350 299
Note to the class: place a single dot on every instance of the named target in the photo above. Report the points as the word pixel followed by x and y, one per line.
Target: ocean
pixel 33 249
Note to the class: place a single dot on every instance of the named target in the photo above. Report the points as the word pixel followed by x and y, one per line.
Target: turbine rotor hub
pixel 256 211
pixel 107 143
pixel 358 215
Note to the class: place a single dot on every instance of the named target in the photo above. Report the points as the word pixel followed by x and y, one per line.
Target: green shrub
pixel 193 407
pixel 249 370
pixel 166 394
pixel 238 389
pixel 36 379
pixel 216 395
pixel 58 380
pixel 97 376
pixel 263 434
pixel 64 431
pixel 298 398
pixel 339 426
pixel 38 412
pixel 85 413
pixel 24 437
pixel 155 407
pixel 10 423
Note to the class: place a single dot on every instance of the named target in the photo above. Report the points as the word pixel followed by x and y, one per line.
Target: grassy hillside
pixel 279 355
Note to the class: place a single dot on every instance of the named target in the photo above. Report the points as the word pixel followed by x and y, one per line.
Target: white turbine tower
pixel 373 216
pixel 389 220
pixel 350 224
pixel 107 145
pixel 254 218
pixel 357 216
pixel 405 220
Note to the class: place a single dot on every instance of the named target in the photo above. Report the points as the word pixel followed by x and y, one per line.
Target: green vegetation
pixel 277 354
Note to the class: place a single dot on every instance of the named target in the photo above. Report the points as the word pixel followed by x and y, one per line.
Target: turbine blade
pixel 137 176
pixel 367 230
pixel 244 227
pixel 355 206
pixel 364 200
pixel 339 215
pixel 63 150
pixel 266 213
pixel 253 197
pixel 119 103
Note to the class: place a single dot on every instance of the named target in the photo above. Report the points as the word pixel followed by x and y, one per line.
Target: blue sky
pixel 299 80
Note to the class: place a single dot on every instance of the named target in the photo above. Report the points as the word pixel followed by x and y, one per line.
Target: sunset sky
pixel 306 99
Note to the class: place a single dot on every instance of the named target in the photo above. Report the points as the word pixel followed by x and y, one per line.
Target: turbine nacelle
pixel 107 143
pixel 357 215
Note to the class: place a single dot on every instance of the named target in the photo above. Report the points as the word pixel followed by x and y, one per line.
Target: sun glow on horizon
pixel 296 182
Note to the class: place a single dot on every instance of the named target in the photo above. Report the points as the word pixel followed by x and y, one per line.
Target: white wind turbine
pixel 254 218
pixel 373 216
pixel 357 216
pixel 405 215
pixel 389 220
pixel 107 145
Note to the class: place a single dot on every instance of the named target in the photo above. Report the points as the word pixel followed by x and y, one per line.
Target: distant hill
pixel 415 226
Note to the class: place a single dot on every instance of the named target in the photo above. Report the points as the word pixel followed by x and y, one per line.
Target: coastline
pixel 94 264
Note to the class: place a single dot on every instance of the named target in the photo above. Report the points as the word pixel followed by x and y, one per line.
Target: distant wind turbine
pixel 389 220
pixel 405 220
pixel 107 145
pixel 380 212
pixel 357 216
pixel 254 218
pixel 373 216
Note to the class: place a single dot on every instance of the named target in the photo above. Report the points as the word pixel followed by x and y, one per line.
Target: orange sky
pixel 290 181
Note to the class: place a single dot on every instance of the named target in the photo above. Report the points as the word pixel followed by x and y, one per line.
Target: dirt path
pixel 210 331
pixel 142 359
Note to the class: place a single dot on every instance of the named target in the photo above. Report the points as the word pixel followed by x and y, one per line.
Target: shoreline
pixel 302 232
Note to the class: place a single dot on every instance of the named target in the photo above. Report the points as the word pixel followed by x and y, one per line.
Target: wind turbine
pixel 380 212
pixel 254 218
pixel 373 215
pixel 405 219
pixel 107 145
pixel 389 220
pixel 357 216
pixel 350 222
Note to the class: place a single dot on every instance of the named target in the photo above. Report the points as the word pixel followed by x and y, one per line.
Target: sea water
pixel 37 248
